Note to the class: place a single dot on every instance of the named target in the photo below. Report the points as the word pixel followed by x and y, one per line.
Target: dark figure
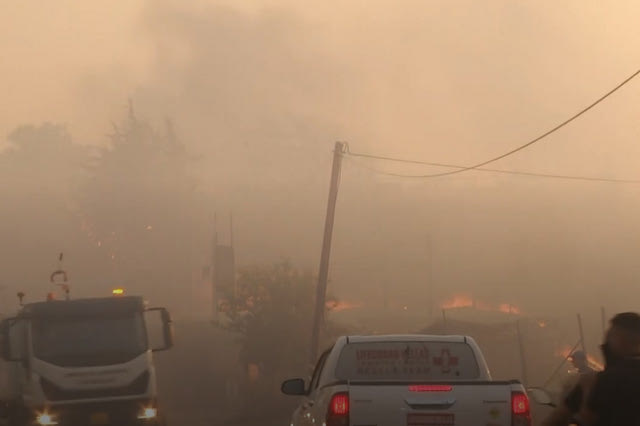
pixel 611 397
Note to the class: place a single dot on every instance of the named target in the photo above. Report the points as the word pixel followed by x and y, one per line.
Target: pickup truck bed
pixel 463 403
pixel 407 380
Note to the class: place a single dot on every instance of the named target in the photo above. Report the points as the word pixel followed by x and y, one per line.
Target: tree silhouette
pixel 138 206
pixel 38 173
pixel 272 311
pixel 41 158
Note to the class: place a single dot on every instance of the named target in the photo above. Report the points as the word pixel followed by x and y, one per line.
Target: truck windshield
pixel 86 341
pixel 413 361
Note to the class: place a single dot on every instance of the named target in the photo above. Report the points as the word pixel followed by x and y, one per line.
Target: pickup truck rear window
pixel 411 361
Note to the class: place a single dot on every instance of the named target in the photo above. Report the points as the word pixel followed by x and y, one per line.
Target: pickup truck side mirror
pixel 5 344
pixel 167 329
pixel 295 387
pixel 7 349
pixel 541 396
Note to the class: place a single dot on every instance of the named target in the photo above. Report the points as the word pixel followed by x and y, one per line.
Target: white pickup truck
pixel 406 380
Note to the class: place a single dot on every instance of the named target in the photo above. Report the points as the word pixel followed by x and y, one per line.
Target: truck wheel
pixel 4 410
pixel 17 416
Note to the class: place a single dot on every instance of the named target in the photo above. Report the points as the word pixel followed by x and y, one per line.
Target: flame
pixel 339 306
pixel 565 351
pixel 467 301
pixel 508 308
pixel 458 301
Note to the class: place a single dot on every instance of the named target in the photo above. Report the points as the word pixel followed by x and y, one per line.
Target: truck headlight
pixel 46 419
pixel 148 413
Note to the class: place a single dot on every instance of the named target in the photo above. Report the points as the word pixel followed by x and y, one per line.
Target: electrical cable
pixel 482 169
pixel 539 138
pixel 565 359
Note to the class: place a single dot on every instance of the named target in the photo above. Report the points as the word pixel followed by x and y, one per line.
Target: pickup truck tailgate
pixel 395 404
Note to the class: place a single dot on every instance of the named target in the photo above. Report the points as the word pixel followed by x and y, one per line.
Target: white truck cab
pixel 81 362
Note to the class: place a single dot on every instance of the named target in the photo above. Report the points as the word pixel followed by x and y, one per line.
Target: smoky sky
pixel 259 92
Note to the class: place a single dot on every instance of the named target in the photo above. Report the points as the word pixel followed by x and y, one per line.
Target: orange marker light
pixel 118 291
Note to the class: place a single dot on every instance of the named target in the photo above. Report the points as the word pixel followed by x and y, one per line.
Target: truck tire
pixel 4 413
pixel 17 416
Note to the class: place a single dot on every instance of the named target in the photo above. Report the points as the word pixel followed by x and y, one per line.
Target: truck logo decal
pixel 445 361
pixel 494 413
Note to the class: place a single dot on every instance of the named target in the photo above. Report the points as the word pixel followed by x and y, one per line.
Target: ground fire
pixel 468 301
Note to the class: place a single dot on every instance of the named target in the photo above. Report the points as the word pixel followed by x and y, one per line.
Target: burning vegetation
pixel 467 301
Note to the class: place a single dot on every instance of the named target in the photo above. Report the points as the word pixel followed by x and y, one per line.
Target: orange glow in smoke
pixel 339 306
pixel 509 309
pixel 458 301
pixel 467 301
pixel 564 352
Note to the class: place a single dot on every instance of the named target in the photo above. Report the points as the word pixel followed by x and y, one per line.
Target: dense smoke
pixel 259 93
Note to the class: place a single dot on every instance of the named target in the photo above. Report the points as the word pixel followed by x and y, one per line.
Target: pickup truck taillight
pixel 520 409
pixel 338 413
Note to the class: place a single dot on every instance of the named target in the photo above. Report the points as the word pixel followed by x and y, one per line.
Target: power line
pixel 481 169
pixel 539 138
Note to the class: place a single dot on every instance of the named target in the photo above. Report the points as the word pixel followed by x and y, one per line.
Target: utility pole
pixel 223 270
pixel 581 331
pixel 385 294
pixel 212 271
pixel 60 272
pixel 323 275
pixel 235 284
pixel 4 304
pixel 430 292
pixel 523 360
